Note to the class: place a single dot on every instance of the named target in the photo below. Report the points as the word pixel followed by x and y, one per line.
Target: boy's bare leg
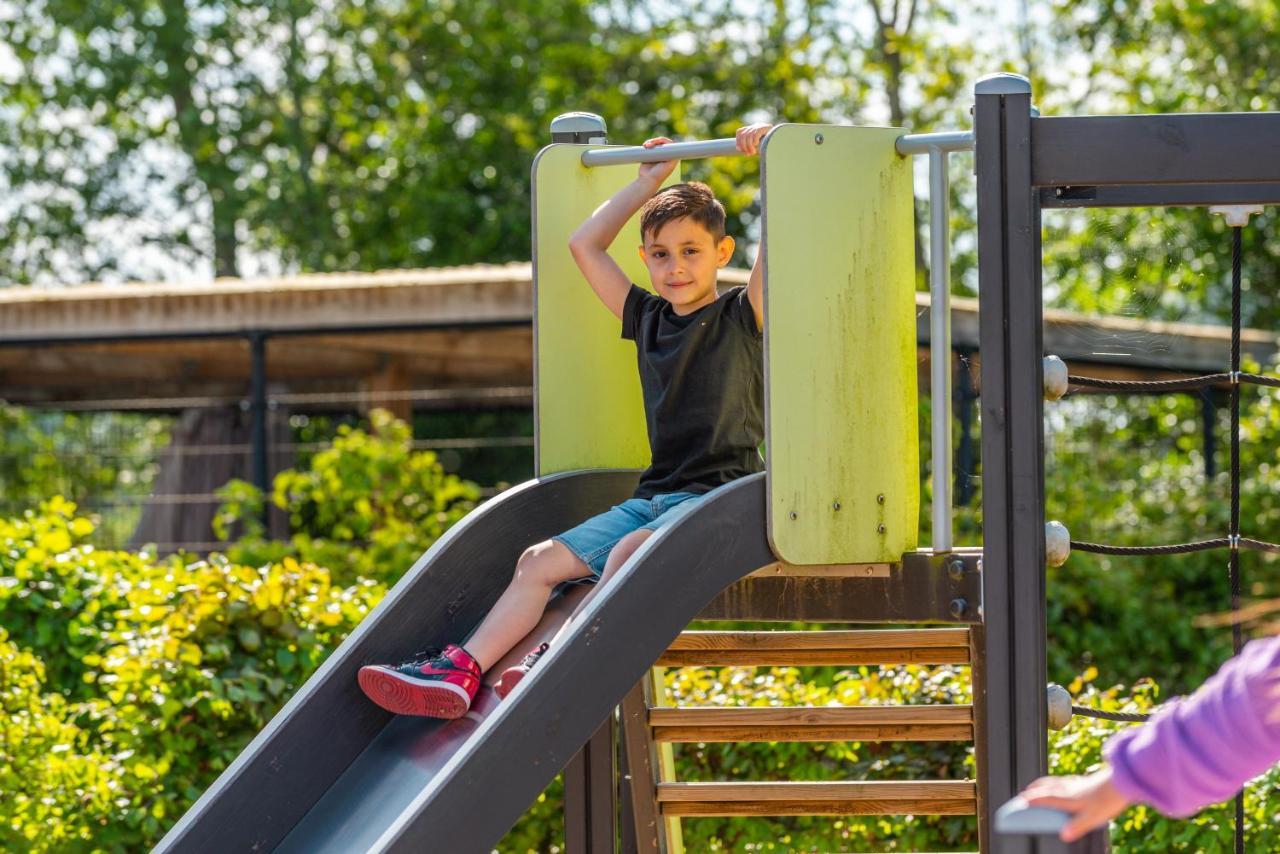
pixel 521 606
pixel 620 554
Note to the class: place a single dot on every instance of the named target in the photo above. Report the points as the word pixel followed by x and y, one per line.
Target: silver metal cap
pixel 1003 83
pixel 579 128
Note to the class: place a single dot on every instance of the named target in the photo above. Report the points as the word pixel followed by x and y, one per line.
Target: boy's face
pixel 683 258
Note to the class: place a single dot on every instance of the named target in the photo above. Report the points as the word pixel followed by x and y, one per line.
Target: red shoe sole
pixel 404 697
pixel 507 682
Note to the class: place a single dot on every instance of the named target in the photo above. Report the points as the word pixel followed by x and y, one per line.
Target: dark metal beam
pixel 199 335
pixel 258 412
pixel 1159 195
pixel 1010 307
pixel 924 588
pixel 590 795
pixel 1161 149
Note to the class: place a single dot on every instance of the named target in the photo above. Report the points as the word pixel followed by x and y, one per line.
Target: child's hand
pixel 749 138
pixel 657 172
pixel 1092 801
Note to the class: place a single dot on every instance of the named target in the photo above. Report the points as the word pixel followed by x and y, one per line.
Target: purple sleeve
pixel 1205 748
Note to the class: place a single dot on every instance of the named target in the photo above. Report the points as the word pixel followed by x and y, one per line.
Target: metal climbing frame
pixel 1025 164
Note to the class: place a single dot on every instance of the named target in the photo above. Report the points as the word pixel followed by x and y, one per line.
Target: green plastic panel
pixel 842 443
pixel 588 412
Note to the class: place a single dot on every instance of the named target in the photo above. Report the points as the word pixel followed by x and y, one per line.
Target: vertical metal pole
pixel 978 684
pixel 1010 304
pixel 940 344
pixel 965 398
pixel 258 412
pixel 591 795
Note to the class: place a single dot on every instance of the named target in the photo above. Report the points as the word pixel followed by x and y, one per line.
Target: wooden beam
pixel 812 724
pixel 947 797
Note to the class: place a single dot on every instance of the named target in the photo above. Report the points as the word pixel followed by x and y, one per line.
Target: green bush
pixel 166 669
pixel 59 789
pixel 365 508
pixel 130 681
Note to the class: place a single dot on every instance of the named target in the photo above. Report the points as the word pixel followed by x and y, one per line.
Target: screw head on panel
pixel 793 515
pixel 1057 543
pixel 955 569
pixel 818 138
pixel 835 505
pixel 880 498
pixel 957 607
pixel 880 529
pixel 1055 378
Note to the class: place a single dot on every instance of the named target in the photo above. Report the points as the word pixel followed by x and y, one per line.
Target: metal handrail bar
pixel 937 146
pixel 670 151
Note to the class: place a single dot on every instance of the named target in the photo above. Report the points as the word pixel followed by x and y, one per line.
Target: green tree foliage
pixel 1163 56
pixel 357 135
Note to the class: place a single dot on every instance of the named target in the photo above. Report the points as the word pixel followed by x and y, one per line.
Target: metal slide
pixel 333 772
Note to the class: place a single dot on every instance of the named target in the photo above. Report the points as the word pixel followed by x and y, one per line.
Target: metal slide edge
pixel 519 748
pixel 290 764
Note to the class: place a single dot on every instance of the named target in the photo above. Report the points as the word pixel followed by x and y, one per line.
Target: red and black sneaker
pixel 442 684
pixel 511 677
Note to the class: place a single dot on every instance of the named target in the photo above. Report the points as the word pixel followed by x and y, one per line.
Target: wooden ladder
pixel 651 726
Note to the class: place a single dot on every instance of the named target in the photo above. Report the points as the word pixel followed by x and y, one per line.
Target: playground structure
pixel 827 535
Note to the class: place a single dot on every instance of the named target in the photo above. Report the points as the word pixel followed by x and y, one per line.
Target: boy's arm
pixel 590 242
pixel 755 288
pixel 749 143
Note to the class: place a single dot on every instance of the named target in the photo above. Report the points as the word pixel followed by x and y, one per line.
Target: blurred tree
pixel 1163 56
pixel 357 135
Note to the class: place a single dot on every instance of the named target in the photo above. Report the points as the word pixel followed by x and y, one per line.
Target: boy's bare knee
pixel 633 541
pixel 623 551
pixel 547 564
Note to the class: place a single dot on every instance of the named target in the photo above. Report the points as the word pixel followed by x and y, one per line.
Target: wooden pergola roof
pixel 331 336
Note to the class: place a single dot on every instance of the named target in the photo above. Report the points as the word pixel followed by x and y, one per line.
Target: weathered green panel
pixel 843 481
pixel 587 403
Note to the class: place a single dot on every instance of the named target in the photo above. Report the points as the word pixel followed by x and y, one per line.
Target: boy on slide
pixel 700 357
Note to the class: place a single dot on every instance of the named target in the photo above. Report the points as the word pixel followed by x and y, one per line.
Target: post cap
pixel 578 128
pixel 1003 83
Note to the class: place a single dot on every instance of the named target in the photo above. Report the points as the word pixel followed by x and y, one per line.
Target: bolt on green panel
pixel 587 403
pixel 841 396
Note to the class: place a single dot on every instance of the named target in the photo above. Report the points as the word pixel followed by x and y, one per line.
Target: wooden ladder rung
pixel 888 646
pixel 812 724
pixel 941 797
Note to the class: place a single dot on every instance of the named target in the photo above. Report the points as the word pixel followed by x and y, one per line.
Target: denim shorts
pixel 595 538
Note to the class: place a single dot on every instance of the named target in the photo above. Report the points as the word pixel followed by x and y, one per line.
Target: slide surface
pixel 333 772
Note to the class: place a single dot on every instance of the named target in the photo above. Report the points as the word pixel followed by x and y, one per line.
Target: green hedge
pixel 129 682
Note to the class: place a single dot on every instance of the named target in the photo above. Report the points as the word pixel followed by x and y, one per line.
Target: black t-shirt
pixel 703 380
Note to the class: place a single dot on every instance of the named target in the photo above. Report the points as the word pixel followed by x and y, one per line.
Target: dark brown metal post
pixel 1014 742
pixel 258 412
pixel 978 681
pixel 590 795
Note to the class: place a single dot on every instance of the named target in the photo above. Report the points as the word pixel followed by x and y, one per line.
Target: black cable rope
pixel 1123 717
pixel 1181 384
pixel 1233 566
pixel 1177 548
pixel 1233 541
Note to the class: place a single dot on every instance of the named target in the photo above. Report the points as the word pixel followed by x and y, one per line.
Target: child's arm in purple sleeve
pixel 1205 748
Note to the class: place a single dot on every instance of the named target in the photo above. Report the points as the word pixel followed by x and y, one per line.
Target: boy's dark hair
pixel 692 199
